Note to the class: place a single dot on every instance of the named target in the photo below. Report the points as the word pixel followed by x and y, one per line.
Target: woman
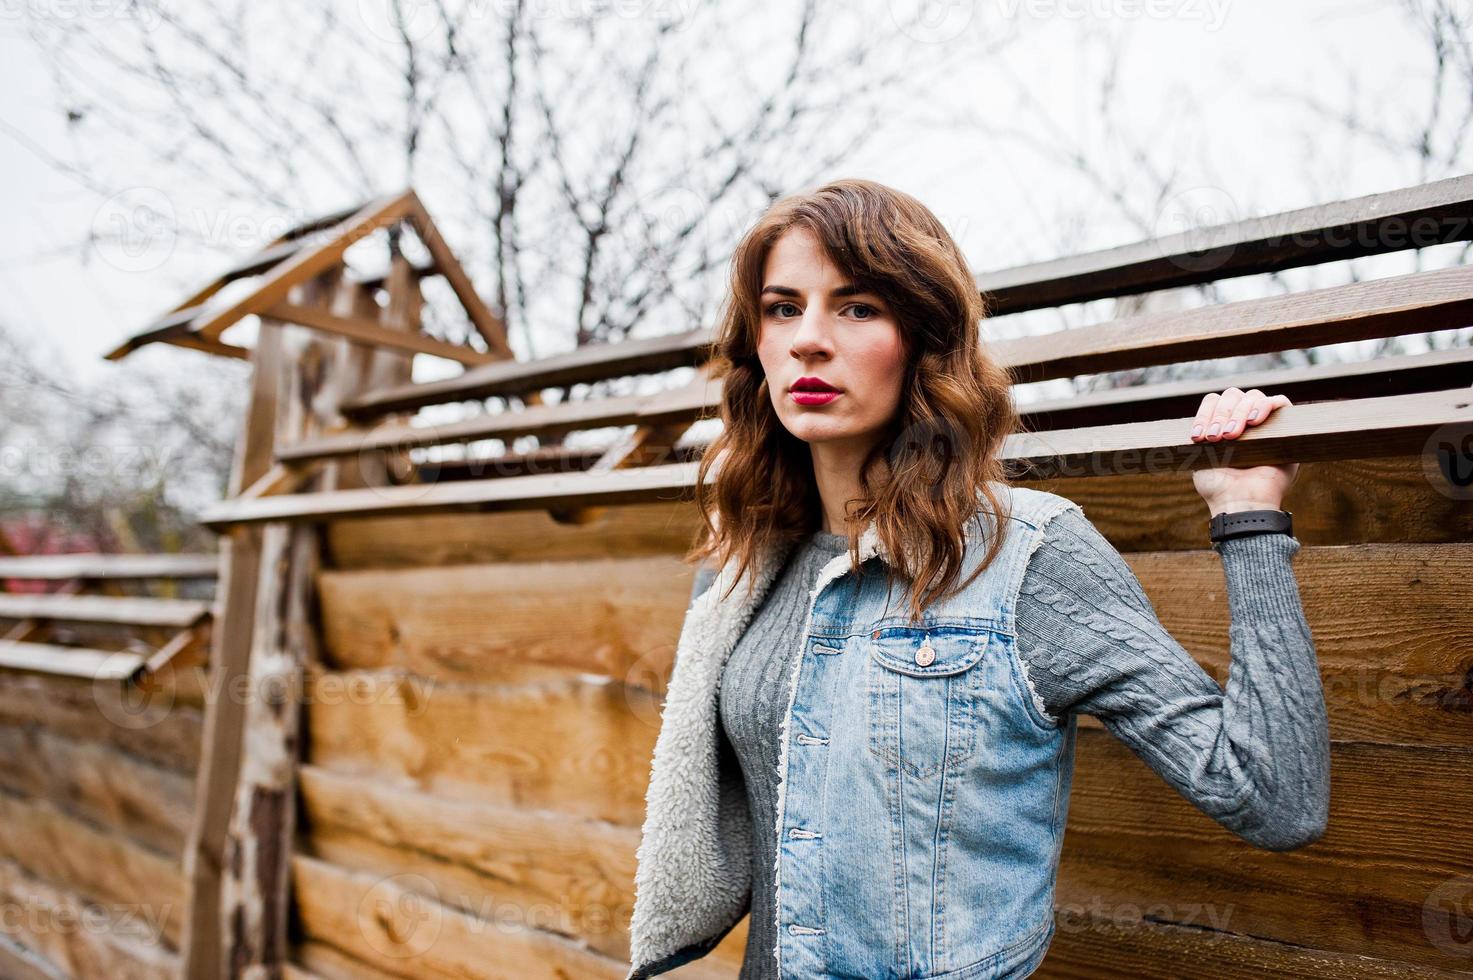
pixel 878 766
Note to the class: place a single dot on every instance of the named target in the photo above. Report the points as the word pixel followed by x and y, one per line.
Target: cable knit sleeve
pixel 1255 757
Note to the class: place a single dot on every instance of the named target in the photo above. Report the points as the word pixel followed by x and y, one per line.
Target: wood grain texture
pixel 510 621
pixel 1395 650
pixel 1397 834
pixel 1129 948
pixel 98 783
pixel 103 867
pixel 58 934
pixel 1340 502
pixel 580 748
pixel 573 877
pixel 154 727
pixel 402 932
pixel 631 531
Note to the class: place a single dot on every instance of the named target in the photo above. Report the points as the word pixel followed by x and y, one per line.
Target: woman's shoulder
pixel 1026 505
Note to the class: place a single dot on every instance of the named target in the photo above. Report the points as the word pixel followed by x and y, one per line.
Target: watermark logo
pixel 932 21
pixel 1194 213
pixel 398 21
pixel 147 14
pixel 133 705
pixel 400 916
pixel 135 230
pixel 1447 459
pixel 1447 916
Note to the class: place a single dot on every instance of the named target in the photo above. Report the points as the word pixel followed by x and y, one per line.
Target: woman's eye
pixel 865 306
pixel 776 309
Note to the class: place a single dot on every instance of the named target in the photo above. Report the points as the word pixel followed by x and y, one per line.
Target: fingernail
pixel 1215 426
pixel 1253 415
pixel 1196 431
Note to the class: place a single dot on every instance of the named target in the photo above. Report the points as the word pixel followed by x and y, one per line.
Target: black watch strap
pixel 1245 522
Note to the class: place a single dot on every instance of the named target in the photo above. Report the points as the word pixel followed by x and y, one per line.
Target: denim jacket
pixel 922 790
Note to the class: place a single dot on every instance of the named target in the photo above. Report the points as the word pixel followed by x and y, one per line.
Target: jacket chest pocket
pixel 923 696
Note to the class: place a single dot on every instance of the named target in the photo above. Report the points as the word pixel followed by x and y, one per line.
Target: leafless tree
pixel 594 160
pixel 123 463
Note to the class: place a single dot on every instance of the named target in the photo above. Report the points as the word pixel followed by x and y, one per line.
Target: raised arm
pixel 1255 757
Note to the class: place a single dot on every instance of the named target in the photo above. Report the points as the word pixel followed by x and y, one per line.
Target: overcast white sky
pixel 1214 85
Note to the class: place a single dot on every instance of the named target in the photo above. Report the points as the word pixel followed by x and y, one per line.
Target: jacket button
pixel 925 655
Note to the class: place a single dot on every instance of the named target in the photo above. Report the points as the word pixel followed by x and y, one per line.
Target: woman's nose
pixel 814 334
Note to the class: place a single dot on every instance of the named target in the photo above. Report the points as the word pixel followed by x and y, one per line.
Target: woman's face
pixel 815 325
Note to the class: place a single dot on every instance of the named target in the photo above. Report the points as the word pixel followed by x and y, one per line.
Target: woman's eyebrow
pixel 849 289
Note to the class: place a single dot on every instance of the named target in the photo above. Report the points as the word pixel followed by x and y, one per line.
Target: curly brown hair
pixel 921 480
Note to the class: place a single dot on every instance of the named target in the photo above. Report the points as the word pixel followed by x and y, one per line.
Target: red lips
pixel 812 384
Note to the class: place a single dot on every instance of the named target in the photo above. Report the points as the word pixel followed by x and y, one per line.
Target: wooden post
pixel 240 556
pixel 319 373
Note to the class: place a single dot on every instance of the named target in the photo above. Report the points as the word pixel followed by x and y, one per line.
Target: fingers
pixel 1228 415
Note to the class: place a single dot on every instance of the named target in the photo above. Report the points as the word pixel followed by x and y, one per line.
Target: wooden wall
pixel 96 790
pixel 477 743
pixel 479 736
pixel 478 731
pixel 1149 887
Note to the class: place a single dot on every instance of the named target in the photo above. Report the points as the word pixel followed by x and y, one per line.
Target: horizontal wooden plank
pixel 1121 947
pixel 154 725
pixel 453 539
pixel 99 566
pixel 122 610
pixel 99 665
pixel 563 875
pixel 106 868
pixel 1392 842
pixel 330 963
pixel 576 747
pixel 294 971
pixel 1336 502
pixel 1406 374
pixel 1409 217
pixel 1403 375
pixel 1418 303
pixel 17 962
pixel 509 621
pixel 642 485
pixel 594 362
pixel 59 934
pixel 1394 663
pixel 1394 658
pixel 1352 429
pixel 680 406
pixel 98 783
pixel 1359 428
pixel 381 921
pixel 372 333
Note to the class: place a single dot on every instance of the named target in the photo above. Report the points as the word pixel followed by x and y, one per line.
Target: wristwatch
pixel 1245 522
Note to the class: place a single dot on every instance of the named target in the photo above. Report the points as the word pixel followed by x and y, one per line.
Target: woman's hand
pixel 1229 489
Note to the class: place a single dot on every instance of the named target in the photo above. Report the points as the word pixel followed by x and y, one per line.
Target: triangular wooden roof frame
pixel 306 252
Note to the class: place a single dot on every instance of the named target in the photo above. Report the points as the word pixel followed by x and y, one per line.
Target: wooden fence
pixel 453 668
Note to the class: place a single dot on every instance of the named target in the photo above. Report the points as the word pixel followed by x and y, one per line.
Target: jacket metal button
pixel 925 655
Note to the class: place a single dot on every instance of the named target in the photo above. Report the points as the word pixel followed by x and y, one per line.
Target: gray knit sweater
pixel 1092 644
